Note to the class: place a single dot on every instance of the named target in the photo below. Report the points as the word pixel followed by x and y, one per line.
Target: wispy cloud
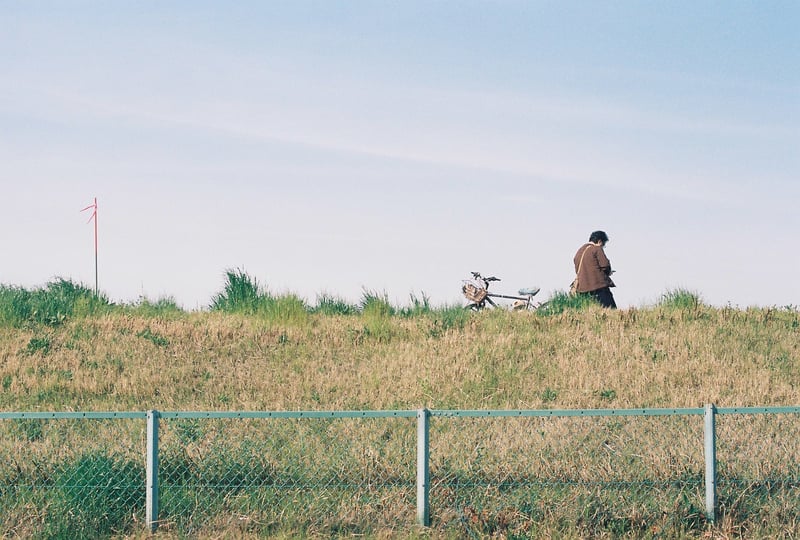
pixel 549 138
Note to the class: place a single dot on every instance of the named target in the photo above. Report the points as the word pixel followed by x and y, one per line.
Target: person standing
pixel 593 270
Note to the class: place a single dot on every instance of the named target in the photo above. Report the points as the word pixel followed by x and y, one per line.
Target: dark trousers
pixel 604 297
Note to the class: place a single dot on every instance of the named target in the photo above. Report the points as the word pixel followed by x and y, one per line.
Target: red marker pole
pixel 93 207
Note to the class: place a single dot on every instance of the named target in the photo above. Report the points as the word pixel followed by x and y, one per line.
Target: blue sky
pixel 333 147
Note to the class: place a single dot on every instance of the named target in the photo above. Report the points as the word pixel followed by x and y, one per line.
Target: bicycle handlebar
pixel 477 275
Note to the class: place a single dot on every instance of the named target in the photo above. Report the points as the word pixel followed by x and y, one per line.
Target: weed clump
pixel 50 305
pixel 561 302
pixel 328 304
pixel 241 293
pixel 681 299
pixel 100 496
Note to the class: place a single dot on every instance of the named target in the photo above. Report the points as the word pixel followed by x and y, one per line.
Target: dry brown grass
pixel 593 358
pixel 587 359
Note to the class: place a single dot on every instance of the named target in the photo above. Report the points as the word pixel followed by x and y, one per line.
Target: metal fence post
pixel 711 462
pixel 151 505
pixel 423 468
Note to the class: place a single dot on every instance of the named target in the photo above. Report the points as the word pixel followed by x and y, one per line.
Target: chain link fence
pixel 480 474
pixel 527 477
pixel 297 475
pixel 71 475
pixel 758 460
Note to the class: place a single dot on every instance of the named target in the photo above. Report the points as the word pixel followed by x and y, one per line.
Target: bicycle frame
pixel 476 290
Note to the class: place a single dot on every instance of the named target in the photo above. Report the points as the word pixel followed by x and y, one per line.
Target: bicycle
pixel 476 290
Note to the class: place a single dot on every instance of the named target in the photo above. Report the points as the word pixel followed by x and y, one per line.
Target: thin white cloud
pixel 482 146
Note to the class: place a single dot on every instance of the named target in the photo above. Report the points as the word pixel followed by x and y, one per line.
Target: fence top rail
pixel 487 413
pixel 758 410
pixel 71 415
pixel 286 414
pixel 553 413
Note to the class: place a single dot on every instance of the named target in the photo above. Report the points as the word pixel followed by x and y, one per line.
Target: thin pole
pixel 96 281
pixel 711 462
pixel 423 468
pixel 151 471
pixel 93 206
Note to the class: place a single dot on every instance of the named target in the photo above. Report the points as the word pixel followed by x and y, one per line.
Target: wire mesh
pixel 758 468
pixel 329 476
pixel 595 476
pixel 71 478
pixel 497 475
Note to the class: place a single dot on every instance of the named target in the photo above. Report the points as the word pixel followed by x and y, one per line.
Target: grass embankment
pixel 655 357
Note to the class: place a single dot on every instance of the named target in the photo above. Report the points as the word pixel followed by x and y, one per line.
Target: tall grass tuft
pixel 419 306
pixel 376 304
pixel 15 305
pixel 449 318
pixel 241 293
pixel 164 306
pixel 681 299
pixel 51 305
pixel 286 309
pixel 328 304
pixel 377 312
pixel 561 302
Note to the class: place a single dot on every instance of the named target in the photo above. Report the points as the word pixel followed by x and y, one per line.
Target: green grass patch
pixel 288 309
pixel 98 496
pixel 241 293
pixel 153 337
pixel 682 299
pixel 376 312
pixel 50 305
pixel 561 302
pixel 328 304
pixel 165 306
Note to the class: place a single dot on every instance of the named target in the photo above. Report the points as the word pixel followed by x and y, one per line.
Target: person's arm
pixel 603 262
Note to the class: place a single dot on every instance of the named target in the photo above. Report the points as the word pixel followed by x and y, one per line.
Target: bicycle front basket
pixel 474 293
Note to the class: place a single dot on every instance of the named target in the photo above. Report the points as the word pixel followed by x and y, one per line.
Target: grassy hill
pixel 72 351
pixel 64 349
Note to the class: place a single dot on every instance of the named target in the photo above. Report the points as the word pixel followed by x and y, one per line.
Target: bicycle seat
pixel 529 291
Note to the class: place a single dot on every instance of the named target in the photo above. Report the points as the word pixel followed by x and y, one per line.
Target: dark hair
pixel 598 235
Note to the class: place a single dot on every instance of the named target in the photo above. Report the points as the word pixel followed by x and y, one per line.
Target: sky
pixel 393 147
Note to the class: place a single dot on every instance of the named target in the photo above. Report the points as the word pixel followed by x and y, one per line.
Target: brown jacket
pixel 596 268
